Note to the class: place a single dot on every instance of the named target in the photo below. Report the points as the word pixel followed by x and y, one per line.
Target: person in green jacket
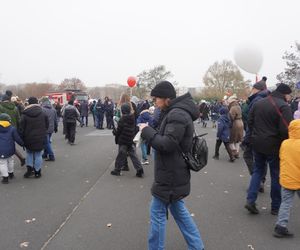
pixel 8 107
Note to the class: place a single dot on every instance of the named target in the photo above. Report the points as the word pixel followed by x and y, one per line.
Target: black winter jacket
pixel 126 130
pixel 171 175
pixel 33 127
pixel 266 127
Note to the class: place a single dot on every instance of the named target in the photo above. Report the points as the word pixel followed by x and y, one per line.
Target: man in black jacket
pixel 171 174
pixel 268 125
pixel 33 129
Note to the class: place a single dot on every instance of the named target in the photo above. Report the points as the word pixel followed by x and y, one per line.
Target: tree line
pixel 221 78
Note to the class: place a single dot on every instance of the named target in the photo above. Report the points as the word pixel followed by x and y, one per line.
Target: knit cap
pixel 164 89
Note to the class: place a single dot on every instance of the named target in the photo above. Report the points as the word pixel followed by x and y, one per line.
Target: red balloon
pixel 131 81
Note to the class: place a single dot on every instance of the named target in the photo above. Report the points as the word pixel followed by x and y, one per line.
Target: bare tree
pixel 292 66
pixel 31 89
pixel 224 78
pixel 72 83
pixel 113 93
pixel 149 78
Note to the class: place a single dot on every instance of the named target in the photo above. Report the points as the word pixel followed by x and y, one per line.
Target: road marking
pixel 99 133
pixel 76 208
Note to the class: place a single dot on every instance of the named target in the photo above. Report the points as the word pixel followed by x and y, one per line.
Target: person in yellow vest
pixel 289 178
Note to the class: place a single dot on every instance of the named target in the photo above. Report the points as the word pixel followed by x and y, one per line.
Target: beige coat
pixel 237 129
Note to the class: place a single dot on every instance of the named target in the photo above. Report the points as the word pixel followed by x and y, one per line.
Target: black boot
pixel 115 172
pixel 217 148
pixel 140 173
pixel 29 172
pixel 11 175
pixel 37 174
pixel 4 180
pixel 216 157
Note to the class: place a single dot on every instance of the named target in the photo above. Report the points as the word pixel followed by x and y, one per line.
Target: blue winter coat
pixel 99 108
pixel 223 132
pixel 8 137
pixel 145 117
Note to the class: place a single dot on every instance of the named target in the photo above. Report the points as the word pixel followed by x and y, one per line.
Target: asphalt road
pixel 77 204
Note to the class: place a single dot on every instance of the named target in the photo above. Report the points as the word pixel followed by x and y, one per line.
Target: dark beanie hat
pixel 5 98
pixel 259 85
pixel 5 117
pixel 125 109
pixel 32 100
pixel 8 93
pixel 283 89
pixel 164 89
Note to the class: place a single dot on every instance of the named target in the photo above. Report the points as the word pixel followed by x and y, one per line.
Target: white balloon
pixel 248 57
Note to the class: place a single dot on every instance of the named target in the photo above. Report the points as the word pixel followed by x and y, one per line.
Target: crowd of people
pixel 262 126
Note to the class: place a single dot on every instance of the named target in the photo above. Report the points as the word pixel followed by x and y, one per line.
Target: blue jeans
pixel 86 118
pixel 48 147
pixel 34 159
pixel 158 217
pixel 144 150
pixel 260 161
pixel 287 196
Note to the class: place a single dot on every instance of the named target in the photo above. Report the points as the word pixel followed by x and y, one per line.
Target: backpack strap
pixel 278 111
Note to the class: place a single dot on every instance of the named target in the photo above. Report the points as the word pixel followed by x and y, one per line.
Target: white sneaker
pixel 145 162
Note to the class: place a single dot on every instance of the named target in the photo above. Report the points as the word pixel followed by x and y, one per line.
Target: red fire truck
pixel 62 97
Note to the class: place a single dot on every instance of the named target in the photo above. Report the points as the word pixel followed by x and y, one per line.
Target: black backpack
pixel 197 158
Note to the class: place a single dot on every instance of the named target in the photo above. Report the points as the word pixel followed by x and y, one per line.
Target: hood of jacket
pixel 294 129
pixel 47 105
pixel 145 114
pixel 260 94
pixel 4 126
pixel 278 95
pixel 8 105
pixel 186 103
pixel 33 110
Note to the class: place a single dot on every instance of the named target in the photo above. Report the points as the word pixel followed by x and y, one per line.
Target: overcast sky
pixel 104 42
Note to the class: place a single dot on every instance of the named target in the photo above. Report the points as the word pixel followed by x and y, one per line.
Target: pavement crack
pixel 75 208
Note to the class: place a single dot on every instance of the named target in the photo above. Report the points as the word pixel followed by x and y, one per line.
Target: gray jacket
pixel 52 117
